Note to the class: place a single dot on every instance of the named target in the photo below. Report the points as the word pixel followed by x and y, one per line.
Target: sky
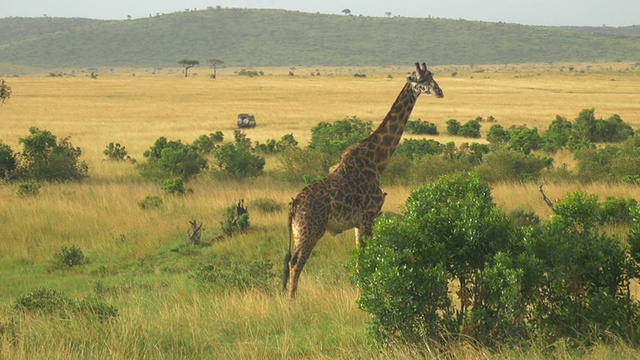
pixel 528 12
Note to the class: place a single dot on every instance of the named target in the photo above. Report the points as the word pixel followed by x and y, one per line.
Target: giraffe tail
pixel 287 258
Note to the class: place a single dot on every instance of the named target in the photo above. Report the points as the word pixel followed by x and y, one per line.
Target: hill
pixel 249 38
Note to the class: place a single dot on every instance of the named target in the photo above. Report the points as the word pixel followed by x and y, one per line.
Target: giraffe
pixel 350 196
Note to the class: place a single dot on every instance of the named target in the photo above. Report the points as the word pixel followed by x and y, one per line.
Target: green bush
pixel 497 135
pixel 5 91
pixel 297 164
pixel 420 127
pixel 333 139
pixel 69 257
pixel 174 186
pixel 150 202
pixel 29 188
pixel 453 126
pixel 172 159
pixel 557 135
pixel 239 161
pixel 45 158
pixel 116 152
pixel 614 129
pixel 453 264
pixel 207 143
pixel 470 129
pixel 274 147
pixel 524 139
pixel 510 165
pixel 7 161
pixel 417 148
pixel 449 230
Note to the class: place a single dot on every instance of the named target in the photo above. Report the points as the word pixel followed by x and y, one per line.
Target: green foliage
pixel 5 91
pixel 421 127
pixel 274 147
pixel 453 126
pixel 44 158
pixel 116 152
pixel 238 159
pixel 558 134
pixel 333 139
pixel 470 129
pixel 297 164
pixel 559 280
pixel 171 159
pixel 51 302
pixel 449 230
pixel 69 257
pixel 416 148
pixel 616 210
pixel 150 202
pixel 614 129
pixel 7 161
pixel 174 186
pixel 510 165
pixel 29 188
pixel 223 273
pixel 498 135
pixel 524 139
pixel 207 143
pixel 236 220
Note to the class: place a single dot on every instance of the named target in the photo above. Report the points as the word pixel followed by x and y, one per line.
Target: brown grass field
pixel 161 313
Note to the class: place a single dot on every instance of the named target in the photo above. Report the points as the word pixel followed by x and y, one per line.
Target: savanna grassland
pixel 135 258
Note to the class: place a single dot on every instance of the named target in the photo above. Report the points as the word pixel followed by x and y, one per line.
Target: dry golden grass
pixel 160 314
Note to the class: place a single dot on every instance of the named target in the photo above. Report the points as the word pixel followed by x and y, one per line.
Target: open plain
pixel 132 262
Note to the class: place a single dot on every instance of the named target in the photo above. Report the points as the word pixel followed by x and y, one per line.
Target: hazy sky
pixel 530 12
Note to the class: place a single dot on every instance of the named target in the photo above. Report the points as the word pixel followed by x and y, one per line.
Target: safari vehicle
pixel 246 121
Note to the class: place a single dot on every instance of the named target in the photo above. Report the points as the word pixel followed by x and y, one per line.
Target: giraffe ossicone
pixel 350 196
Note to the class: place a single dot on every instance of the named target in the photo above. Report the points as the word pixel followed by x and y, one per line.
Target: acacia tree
pixel 188 64
pixel 5 91
pixel 214 63
pixel 346 11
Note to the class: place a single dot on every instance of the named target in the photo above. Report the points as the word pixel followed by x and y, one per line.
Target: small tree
pixel 172 159
pixel 188 64
pixel 5 91
pixel 44 158
pixel 214 63
pixel 334 139
pixel 346 11
pixel 7 161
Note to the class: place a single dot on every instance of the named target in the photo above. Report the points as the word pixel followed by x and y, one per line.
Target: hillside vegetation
pixel 245 38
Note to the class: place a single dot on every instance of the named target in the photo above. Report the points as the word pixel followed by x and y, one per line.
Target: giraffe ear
pixel 418 67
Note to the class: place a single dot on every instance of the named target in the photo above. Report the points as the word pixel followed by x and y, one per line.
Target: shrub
pixel 236 219
pixel 238 161
pixel 524 139
pixel 557 135
pixel 174 186
pixel 296 164
pixel 470 129
pixel 116 152
pixel 453 126
pixel 29 188
pixel 449 230
pixel 5 91
pixel 614 129
pixel 273 147
pixel 616 210
pixel 7 161
pixel 510 165
pixel 207 143
pixel 69 257
pixel 172 159
pixel 415 149
pixel 333 139
pixel 560 280
pixel 497 135
pixel 150 202
pixel 421 127
pixel 44 158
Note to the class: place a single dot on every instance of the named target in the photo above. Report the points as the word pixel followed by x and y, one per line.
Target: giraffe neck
pixel 382 143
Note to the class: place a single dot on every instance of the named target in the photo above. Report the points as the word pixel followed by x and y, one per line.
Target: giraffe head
pixel 423 83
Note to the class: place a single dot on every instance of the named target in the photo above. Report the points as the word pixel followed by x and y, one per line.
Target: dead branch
pixel 195 233
pixel 546 199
